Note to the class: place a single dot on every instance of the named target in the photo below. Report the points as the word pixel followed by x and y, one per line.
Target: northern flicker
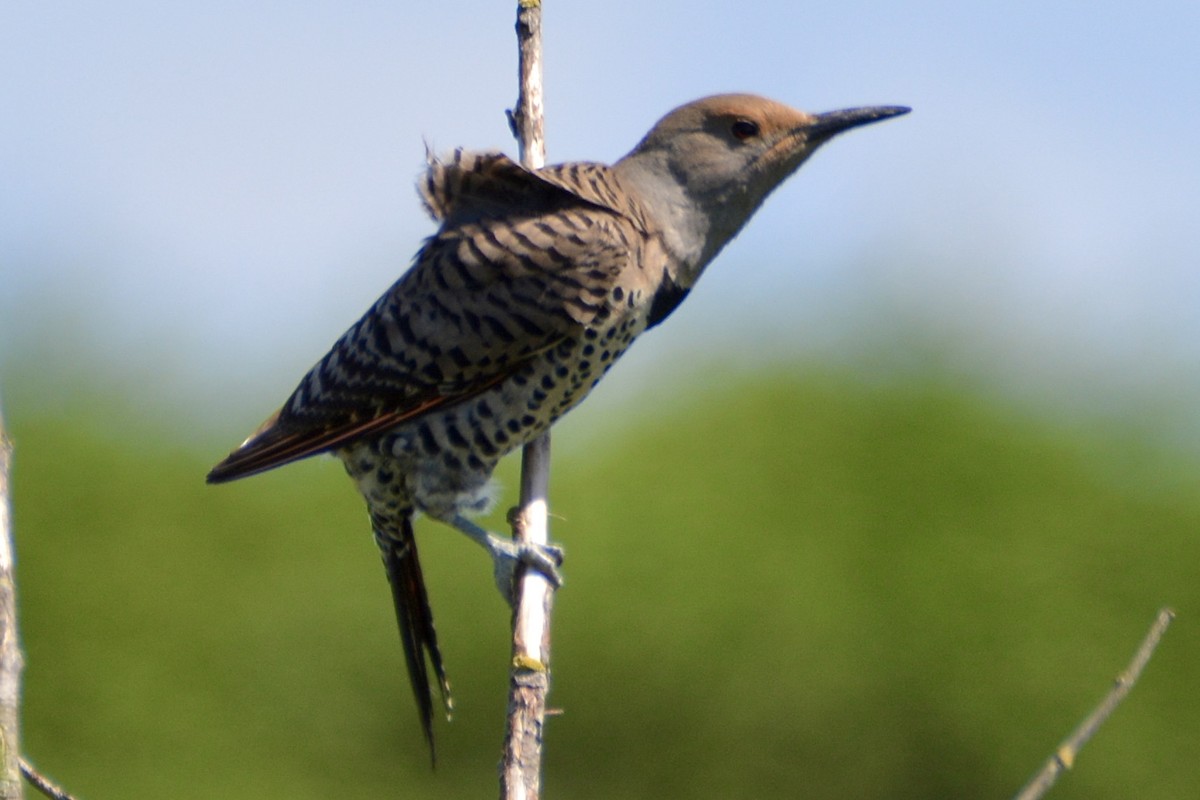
pixel 533 285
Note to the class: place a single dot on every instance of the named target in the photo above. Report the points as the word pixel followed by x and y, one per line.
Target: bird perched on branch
pixel 533 285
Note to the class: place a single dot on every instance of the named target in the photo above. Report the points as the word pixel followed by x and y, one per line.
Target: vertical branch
pixel 527 119
pixel 529 680
pixel 10 651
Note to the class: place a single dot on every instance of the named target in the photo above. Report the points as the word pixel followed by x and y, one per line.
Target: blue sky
pixel 201 198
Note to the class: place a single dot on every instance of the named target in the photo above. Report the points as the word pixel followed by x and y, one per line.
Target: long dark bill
pixel 831 123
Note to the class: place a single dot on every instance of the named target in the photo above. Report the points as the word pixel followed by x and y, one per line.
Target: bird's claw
pixel 507 554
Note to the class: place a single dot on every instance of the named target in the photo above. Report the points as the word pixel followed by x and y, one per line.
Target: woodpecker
pixel 534 283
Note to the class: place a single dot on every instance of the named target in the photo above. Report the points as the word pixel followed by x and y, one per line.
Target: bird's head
pixel 707 166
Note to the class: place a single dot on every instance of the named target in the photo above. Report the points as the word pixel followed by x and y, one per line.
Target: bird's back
pixel 521 262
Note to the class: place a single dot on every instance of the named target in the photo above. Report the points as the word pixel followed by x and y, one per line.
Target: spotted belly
pixel 441 463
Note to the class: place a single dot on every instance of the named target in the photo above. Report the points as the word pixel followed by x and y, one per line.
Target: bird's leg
pixel 505 553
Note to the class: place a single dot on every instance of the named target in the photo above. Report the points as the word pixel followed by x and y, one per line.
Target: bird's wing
pixel 469 184
pixel 518 265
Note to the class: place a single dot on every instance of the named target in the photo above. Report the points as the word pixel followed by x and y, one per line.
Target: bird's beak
pixel 826 126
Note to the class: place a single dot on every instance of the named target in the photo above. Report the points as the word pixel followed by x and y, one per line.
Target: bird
pixel 533 284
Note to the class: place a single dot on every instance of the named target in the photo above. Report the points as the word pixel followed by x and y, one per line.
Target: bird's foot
pixel 507 554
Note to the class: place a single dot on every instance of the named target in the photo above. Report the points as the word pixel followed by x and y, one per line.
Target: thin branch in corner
pixel 533 594
pixel 42 783
pixel 1064 757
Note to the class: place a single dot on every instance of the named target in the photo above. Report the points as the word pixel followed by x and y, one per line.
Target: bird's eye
pixel 744 129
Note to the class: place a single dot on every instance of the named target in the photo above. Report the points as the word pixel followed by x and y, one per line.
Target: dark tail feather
pixel 416 624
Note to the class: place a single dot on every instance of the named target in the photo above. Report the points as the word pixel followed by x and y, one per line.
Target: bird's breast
pixel 441 463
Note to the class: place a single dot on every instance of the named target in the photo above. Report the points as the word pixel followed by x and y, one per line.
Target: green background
pixel 793 583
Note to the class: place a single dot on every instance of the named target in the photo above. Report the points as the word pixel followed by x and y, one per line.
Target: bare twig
pixel 42 783
pixel 10 648
pixel 12 762
pixel 527 119
pixel 1064 757
pixel 529 680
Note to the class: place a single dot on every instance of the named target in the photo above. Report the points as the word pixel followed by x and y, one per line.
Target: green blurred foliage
pixel 806 586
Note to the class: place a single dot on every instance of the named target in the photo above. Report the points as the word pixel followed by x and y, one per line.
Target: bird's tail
pixel 417 634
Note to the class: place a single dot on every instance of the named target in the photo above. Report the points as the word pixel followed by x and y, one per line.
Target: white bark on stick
pixel 529 680
pixel 11 662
